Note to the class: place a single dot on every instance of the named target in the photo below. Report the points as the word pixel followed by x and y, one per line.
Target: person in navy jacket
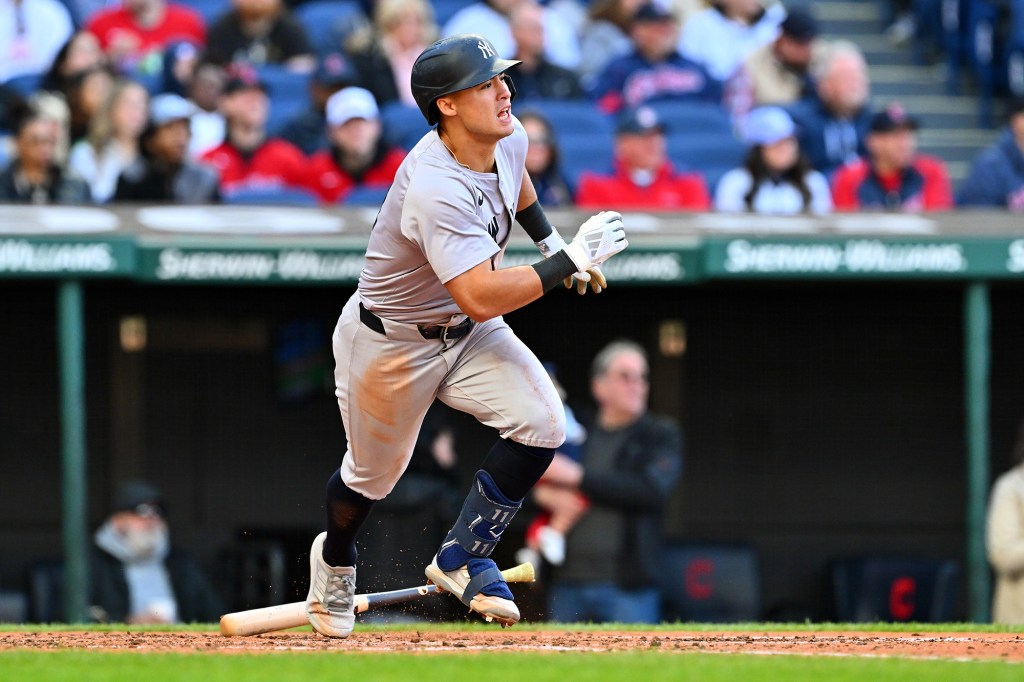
pixel 654 70
pixel 997 175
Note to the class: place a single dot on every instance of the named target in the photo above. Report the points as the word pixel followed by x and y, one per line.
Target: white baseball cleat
pixel 330 604
pixel 459 582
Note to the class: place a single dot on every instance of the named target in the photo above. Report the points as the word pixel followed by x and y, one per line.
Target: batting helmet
pixel 452 64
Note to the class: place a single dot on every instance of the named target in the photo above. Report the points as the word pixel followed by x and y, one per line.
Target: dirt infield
pixel 1006 647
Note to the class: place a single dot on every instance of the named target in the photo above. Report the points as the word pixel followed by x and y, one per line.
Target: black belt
pixel 433 331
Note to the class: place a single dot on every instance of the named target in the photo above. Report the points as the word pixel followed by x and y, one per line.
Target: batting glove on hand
pixel 599 238
pixel 594 275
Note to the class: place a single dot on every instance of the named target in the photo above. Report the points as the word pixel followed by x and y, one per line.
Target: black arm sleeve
pixel 535 223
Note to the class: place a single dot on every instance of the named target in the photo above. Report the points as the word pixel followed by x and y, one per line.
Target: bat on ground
pixel 285 616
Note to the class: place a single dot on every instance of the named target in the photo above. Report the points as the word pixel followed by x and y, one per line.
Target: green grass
pixel 85 666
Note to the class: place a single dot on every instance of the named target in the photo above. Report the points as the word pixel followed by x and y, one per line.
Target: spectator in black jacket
pixel 35 176
pixel 260 32
pixel 164 173
pixel 630 464
pixel 306 131
pixel 137 576
pixel 537 77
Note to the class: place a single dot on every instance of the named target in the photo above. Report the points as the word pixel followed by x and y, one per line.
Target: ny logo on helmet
pixel 485 49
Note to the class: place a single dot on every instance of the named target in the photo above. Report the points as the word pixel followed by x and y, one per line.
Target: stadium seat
pixel 584 151
pixel 25 85
pixel 572 116
pixel 289 95
pixel 713 155
pixel 403 125
pixel 712 582
pixel 271 196
pixel 869 589
pixel 692 117
pixel 446 9
pixel 366 196
pixel 211 10
pixel 329 22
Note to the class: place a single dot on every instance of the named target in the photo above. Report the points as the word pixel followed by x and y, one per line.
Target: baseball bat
pixel 285 616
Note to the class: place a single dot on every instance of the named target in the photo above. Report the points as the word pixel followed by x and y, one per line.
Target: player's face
pixel 486 109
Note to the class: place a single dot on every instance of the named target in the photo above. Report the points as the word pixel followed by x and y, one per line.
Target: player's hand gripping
pixel 594 275
pixel 598 239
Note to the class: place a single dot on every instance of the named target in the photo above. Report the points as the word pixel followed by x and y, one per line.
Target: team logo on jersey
pixel 485 49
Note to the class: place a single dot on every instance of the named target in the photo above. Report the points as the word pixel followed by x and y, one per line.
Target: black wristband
pixel 534 221
pixel 555 269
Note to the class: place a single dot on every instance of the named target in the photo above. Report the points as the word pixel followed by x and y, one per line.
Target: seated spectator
pixel 31 34
pixel 163 172
pixel 260 32
pixel 832 122
pixel 893 176
pixel 54 111
pixel 358 155
pixel 205 89
pixel 138 575
pixel 490 18
pixel 308 130
pixel 85 97
pixel 113 140
pixel 543 162
pixel 779 72
pixel 722 36
pixel 535 76
pixel 654 70
pixel 34 176
pixel 135 34
pixel 605 36
pixel 776 177
pixel 997 174
pixel 248 159
pixel 80 54
pixel 644 177
pixel 383 54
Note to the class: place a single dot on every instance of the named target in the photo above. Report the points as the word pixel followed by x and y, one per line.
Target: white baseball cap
pixel 169 107
pixel 350 103
pixel 768 125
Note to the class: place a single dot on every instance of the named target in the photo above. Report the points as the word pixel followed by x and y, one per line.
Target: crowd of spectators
pixel 148 100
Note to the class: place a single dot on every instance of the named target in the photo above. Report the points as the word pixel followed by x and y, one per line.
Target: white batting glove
pixel 599 238
pixel 554 243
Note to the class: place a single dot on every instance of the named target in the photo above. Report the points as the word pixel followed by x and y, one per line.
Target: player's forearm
pixel 485 294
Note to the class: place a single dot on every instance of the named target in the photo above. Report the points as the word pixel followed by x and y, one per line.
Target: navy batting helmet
pixel 452 64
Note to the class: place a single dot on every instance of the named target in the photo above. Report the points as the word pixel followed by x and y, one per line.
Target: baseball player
pixel 425 322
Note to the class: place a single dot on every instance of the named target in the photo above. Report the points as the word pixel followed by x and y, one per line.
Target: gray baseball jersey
pixel 439 220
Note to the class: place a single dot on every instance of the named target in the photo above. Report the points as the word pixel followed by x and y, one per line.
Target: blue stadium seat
pixel 25 85
pixel 446 9
pixel 713 155
pixel 695 118
pixel 403 125
pixel 569 116
pixel 329 22
pixel 271 196
pixel 365 195
pixel 289 95
pixel 711 582
pixel 585 151
pixel 211 10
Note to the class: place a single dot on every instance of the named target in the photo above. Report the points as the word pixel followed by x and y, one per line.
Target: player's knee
pixel 542 424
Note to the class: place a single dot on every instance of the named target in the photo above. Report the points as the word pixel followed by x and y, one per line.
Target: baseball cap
pixel 893 117
pixel 350 103
pixel 334 69
pixel 140 497
pixel 169 107
pixel 241 78
pixel 639 120
pixel 800 25
pixel 653 11
pixel 768 125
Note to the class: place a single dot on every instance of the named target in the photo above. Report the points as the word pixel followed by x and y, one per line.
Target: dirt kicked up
pixel 952 645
